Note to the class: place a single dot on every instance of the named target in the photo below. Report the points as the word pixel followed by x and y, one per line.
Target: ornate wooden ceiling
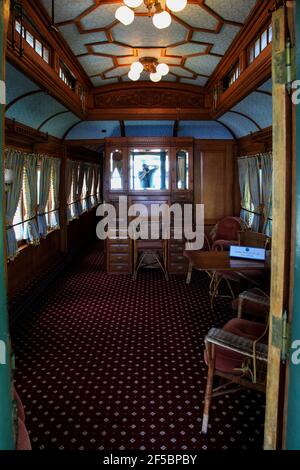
pixel 192 46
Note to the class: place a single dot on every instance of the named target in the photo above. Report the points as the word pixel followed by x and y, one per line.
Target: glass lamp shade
pixel 162 20
pixel 155 77
pixel 176 5
pixel 124 15
pixel 133 75
pixel 162 69
pixel 137 67
pixel 133 3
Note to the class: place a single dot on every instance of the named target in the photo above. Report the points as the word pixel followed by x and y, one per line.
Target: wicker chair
pixel 238 354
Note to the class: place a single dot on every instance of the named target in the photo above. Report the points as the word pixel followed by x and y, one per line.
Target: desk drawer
pixel 118 248
pixel 115 268
pixel 119 258
pixel 178 258
pixel 178 268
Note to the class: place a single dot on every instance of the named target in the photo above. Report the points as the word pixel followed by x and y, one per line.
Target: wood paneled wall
pixel 216 180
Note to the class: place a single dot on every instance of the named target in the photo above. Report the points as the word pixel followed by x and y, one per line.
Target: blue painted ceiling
pixel 41 111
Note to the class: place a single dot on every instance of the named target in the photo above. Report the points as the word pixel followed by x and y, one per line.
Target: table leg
pixel 189 275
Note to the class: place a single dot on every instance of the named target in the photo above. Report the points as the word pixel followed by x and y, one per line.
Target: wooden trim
pixel 281 231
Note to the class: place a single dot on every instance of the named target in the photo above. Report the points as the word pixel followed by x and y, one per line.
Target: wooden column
pixel 7 441
pixel 281 234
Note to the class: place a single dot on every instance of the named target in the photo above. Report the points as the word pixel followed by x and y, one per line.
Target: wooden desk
pixel 214 262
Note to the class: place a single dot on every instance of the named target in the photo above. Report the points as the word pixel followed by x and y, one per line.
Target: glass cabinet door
pixel 182 169
pixel 116 170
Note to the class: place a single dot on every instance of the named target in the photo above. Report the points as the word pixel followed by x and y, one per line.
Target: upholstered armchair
pixel 237 353
pixel 225 233
pixel 22 436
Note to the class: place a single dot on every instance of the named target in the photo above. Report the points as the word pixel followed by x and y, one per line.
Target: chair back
pixel 254 239
pixel 227 229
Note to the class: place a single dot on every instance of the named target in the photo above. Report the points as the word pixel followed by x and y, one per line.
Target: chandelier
pixel 156 8
pixel 150 65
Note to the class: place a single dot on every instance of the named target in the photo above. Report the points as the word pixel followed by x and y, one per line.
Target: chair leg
pixel 161 266
pixel 211 355
pixel 138 267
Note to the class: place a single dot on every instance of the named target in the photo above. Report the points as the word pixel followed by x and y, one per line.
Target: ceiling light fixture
pixel 150 65
pixel 156 8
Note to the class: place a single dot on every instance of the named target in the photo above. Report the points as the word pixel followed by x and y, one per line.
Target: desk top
pixel 221 261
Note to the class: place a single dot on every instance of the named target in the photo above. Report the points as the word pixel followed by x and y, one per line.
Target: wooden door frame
pixel 281 236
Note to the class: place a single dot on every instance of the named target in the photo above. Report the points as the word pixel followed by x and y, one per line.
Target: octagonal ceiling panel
pixel 180 72
pixel 187 49
pixel 204 65
pixel 221 41
pixel 66 10
pixel 99 81
pixel 102 16
pixel 142 33
pixel 117 72
pixel 194 15
pixel 197 38
pixel 94 64
pixel 232 10
pixel 76 41
pixel 112 49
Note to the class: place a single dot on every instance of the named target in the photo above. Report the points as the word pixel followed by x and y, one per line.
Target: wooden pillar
pixel 7 441
pixel 281 233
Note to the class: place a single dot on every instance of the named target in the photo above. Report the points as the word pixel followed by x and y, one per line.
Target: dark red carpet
pixel 106 363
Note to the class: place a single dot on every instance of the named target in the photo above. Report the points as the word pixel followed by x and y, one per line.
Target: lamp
pixel 150 65
pixel 156 8
pixel 8 178
pixel 125 15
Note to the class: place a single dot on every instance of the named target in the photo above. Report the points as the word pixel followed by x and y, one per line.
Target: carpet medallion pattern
pixel 105 363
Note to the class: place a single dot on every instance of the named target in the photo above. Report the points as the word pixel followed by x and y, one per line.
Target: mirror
pixel 149 170
pixel 116 170
pixel 182 169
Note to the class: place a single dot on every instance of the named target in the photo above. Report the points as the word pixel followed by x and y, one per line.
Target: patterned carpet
pixel 105 363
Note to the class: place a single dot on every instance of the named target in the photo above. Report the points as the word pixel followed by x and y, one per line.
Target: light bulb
pixel 162 20
pixel 176 5
pixel 137 67
pixel 124 15
pixel 133 3
pixel 155 77
pixel 162 69
pixel 133 75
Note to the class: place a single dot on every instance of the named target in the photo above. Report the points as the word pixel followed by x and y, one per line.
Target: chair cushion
pixel 226 360
pixel 23 442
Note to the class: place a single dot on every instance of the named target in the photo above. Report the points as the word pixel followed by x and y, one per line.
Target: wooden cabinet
pixel 183 171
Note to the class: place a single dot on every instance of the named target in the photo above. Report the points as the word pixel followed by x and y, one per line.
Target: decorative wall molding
pixel 149 98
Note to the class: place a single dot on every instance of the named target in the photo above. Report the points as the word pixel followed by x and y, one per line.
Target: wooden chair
pixel 225 233
pixel 254 239
pixel 238 354
pixel 148 249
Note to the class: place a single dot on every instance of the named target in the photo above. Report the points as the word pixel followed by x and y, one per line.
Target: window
pixel 66 76
pixel 260 44
pixel 40 48
pixel 232 76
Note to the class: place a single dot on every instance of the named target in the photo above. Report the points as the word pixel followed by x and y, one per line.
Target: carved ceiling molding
pixel 149 98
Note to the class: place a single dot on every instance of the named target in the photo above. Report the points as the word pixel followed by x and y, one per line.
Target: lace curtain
pixel 31 231
pixel 14 161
